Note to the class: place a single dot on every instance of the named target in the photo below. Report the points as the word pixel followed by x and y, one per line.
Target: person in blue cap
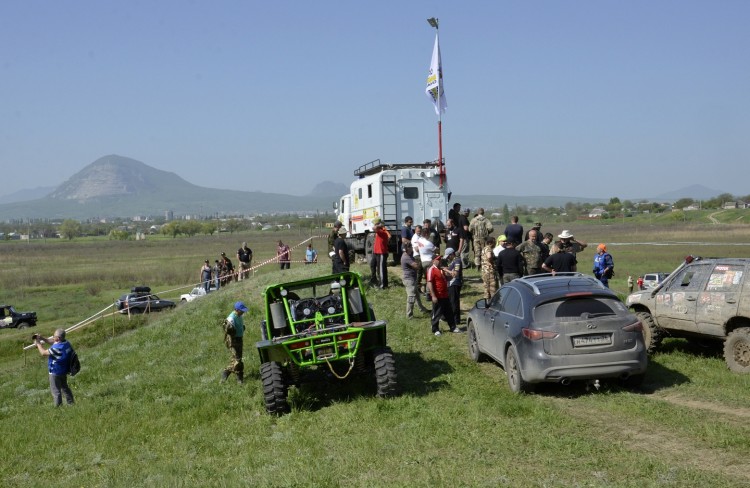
pixel 234 329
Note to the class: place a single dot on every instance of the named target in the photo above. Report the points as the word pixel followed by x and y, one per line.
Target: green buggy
pixel 317 323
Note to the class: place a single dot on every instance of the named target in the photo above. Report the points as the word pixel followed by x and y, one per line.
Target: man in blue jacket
pixel 59 354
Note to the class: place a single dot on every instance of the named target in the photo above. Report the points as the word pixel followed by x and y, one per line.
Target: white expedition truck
pixel 391 191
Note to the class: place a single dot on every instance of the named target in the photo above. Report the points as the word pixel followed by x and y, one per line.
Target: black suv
pixel 141 300
pixel 10 319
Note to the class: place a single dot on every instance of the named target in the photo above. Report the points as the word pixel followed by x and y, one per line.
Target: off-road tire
pixel 513 370
pixel 275 388
pixel 419 303
pixel 737 350
pixel 652 333
pixel 474 353
pixel 385 372
pixel 23 325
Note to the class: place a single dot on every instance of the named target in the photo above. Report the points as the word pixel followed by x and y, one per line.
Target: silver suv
pixel 704 299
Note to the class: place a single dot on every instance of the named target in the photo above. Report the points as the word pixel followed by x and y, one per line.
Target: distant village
pixel 140 226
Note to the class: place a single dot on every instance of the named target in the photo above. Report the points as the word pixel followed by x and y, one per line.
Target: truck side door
pixel 676 303
pixel 719 300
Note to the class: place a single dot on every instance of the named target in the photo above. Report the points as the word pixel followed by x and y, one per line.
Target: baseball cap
pixel 240 307
pixel 376 221
pixel 449 252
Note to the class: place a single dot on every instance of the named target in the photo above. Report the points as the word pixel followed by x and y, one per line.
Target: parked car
pixel 196 292
pixel 701 299
pixel 141 300
pixel 560 328
pixel 652 280
pixel 10 319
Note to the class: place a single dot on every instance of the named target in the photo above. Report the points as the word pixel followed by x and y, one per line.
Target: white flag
pixel 435 80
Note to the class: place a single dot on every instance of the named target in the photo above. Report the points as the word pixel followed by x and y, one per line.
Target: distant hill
pixel 27 194
pixel 696 192
pixel 116 186
pixel 329 188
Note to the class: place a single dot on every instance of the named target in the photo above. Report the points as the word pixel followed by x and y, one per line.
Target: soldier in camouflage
pixel 532 254
pixel 333 235
pixel 488 267
pixel 234 330
pixel 480 227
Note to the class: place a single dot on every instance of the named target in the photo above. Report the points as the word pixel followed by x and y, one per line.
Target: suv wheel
pixel 23 325
pixel 474 353
pixel 513 371
pixel 652 334
pixel 737 350
pixel 385 372
pixel 274 388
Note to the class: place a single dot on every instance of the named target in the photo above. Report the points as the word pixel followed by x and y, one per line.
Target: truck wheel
pixel 369 246
pixel 23 325
pixel 737 350
pixel 275 388
pixel 652 334
pixel 385 372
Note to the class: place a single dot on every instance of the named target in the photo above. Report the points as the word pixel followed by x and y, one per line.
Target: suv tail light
pixel 636 327
pixel 537 335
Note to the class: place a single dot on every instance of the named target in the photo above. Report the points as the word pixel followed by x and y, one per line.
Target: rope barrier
pixel 100 314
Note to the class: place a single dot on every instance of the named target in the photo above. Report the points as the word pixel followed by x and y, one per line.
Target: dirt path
pixel 712 217
pixel 661 443
pixel 738 413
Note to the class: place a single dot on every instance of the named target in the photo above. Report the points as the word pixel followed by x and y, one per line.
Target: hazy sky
pixel 575 98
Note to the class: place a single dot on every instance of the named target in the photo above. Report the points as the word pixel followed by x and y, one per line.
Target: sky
pixel 585 98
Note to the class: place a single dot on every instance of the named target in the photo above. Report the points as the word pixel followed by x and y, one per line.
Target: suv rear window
pixel 577 308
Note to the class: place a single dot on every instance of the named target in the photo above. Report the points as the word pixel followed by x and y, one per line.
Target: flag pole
pixel 438 99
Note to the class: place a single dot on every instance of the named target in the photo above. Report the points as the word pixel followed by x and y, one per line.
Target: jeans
pixel 58 385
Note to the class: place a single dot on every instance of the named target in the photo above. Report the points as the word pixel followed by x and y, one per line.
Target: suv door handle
pixel 690 299
pixel 732 301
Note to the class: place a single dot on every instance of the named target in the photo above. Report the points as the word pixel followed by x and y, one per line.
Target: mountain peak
pixel 114 175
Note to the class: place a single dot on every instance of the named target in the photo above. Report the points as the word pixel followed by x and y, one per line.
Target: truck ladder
pixel 390 207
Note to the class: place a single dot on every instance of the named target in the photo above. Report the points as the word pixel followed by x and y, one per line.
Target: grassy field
pixel 150 410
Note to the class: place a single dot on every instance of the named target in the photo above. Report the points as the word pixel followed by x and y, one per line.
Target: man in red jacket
pixel 379 262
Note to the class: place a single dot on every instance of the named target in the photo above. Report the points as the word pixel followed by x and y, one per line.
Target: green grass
pixel 150 410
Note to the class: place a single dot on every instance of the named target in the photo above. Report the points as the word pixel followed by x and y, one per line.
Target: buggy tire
pixel 475 353
pixel 652 333
pixel 513 370
pixel 737 350
pixel 385 372
pixel 275 388
pixel 23 325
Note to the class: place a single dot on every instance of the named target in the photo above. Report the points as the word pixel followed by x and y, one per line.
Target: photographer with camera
pixel 59 355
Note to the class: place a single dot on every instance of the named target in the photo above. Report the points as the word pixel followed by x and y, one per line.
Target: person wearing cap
pixel 604 265
pixel 234 329
pixel 334 235
pixel 244 258
pixel 569 244
pixel 437 285
pixel 538 228
pixel 379 261
pixel 455 276
pixel 340 257
pixel 479 228
pixel 206 276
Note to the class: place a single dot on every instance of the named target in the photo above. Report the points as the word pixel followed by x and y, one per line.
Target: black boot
pixel 224 375
pixel 240 378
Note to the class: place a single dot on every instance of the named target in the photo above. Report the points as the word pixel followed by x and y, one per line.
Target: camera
pixel 36 337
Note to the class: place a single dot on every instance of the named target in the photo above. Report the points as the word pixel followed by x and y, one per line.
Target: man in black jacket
pixel 509 263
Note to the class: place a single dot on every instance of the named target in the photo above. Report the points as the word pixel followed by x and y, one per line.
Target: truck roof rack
pixel 376 166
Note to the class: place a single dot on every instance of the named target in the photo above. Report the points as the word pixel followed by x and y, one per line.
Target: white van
pixel 652 280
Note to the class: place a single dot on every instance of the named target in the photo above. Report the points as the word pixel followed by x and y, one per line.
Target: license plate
pixel 592 340
pixel 324 352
